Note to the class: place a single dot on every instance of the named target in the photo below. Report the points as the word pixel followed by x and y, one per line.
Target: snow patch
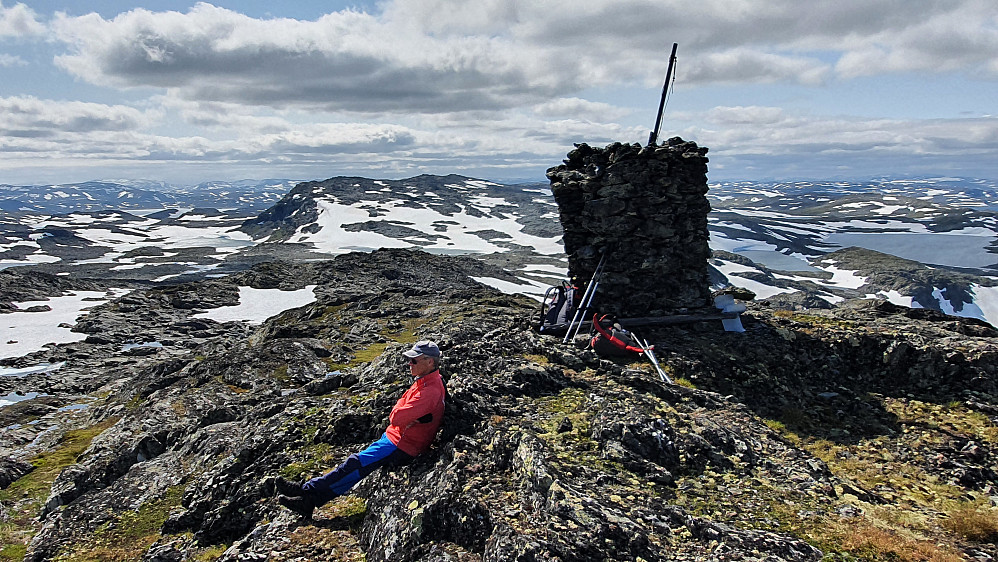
pixel 257 305
pixel 986 301
pixel 25 371
pixel 897 298
pixel 761 290
pixel 844 278
pixel 27 332
pixel 528 287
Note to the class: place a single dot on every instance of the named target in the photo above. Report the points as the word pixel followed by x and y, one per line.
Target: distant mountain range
pixel 244 195
pixel 928 242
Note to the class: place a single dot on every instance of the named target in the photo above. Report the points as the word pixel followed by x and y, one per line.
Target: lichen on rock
pixel 841 433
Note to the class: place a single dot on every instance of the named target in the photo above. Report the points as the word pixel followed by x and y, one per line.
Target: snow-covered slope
pixel 924 242
pixel 436 214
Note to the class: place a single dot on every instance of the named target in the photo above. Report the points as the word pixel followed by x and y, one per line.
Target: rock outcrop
pixel 20 286
pixel 847 433
pixel 645 208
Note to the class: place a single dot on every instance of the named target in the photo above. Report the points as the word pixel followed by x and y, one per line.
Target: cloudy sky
pixel 777 89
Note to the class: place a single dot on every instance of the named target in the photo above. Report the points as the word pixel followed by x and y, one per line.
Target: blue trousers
pixel 358 465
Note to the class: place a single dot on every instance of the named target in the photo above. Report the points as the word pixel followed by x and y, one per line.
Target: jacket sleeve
pixel 409 412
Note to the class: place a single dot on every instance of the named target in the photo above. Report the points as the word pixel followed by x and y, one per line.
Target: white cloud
pixel 19 21
pixel 450 85
pixel 815 135
pixel 580 109
pixel 433 56
pixel 226 116
pixel 749 141
pixel 745 115
pixel 11 60
pixel 963 37
pixel 747 65
pixel 26 116
pixel 345 60
pixel 449 17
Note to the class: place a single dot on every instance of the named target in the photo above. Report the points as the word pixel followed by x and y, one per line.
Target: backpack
pixel 558 308
pixel 613 341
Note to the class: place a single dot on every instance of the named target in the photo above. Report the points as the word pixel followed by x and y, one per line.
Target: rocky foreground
pixel 863 432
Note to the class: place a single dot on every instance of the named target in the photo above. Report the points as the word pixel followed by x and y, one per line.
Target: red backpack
pixel 613 341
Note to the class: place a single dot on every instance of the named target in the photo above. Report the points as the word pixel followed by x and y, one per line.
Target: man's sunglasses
pixel 413 360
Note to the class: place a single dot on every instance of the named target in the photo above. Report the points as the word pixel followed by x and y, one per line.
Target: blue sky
pixel 186 92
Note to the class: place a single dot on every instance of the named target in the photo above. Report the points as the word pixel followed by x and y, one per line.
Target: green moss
pixel 750 502
pixel 566 402
pixel 281 374
pixel 134 403
pixel 365 355
pixel 575 446
pixel 781 428
pixel 539 359
pixel 776 426
pixel 36 484
pixel 410 330
pixel 370 353
pixel 210 553
pixel 952 417
pixel 330 315
pixel 11 550
pixel 908 526
pixel 24 497
pixel 351 508
pixel 129 536
pixel 316 458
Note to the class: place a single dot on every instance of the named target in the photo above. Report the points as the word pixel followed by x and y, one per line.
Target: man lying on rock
pixel 412 425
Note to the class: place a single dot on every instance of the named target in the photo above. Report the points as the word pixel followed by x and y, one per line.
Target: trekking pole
pixel 587 298
pixel 650 354
pixel 653 137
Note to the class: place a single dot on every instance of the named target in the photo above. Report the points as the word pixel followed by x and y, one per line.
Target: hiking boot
pixel 288 488
pixel 301 505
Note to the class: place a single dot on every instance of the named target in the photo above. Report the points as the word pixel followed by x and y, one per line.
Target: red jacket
pixel 417 415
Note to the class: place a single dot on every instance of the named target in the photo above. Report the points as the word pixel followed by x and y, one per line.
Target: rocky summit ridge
pixel 862 432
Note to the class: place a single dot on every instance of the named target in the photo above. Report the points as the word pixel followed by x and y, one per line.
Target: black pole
pixel 653 138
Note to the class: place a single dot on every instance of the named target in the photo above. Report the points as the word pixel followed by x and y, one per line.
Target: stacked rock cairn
pixel 645 208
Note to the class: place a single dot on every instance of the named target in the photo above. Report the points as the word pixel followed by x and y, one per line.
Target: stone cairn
pixel 646 208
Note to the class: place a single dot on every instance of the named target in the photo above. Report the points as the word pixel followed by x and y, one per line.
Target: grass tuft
pixel 973 521
pixel 869 542
pixel 539 359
